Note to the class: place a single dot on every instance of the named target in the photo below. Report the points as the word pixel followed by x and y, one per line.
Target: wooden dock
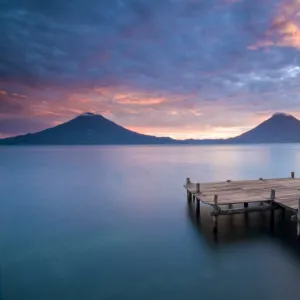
pixel 244 196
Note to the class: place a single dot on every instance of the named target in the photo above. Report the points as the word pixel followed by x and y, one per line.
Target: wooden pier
pixel 245 196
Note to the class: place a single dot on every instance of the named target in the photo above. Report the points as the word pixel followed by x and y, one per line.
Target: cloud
pixel 138 62
pixel 136 100
pixel 284 29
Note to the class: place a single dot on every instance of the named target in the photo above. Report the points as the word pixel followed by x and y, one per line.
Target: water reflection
pixel 233 229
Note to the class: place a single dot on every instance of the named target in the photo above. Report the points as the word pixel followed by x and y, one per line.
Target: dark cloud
pixel 10 104
pixel 199 51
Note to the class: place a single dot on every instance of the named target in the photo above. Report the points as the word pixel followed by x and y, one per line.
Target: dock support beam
pixel 215 217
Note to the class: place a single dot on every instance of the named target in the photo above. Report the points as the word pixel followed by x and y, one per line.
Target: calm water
pixel 113 223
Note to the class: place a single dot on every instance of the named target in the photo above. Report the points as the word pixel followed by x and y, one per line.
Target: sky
pixel 179 68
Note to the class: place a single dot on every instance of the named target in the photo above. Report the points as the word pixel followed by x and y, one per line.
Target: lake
pixel 113 223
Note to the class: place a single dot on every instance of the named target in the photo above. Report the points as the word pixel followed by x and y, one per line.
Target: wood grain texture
pixel 234 192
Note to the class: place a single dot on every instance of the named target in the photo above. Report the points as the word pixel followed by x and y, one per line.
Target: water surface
pixel 113 223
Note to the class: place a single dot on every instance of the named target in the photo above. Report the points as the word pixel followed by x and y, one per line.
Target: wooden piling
pixel 245 204
pixel 189 196
pixel 215 217
pixel 198 188
pixel 272 196
pixel 298 220
pixel 292 174
pixel 272 221
pixel 198 208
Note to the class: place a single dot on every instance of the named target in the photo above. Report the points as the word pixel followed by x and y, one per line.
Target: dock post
pixel 189 196
pixel 188 193
pixel 292 174
pixel 272 196
pixel 215 217
pixel 197 207
pixel 245 204
pixel 298 220
pixel 230 206
pixel 197 191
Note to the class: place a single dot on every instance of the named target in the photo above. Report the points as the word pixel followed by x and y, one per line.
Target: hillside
pixel 86 129
pixel 280 128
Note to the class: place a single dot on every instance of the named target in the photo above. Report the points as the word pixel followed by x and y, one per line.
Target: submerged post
pixel 292 174
pixel 215 217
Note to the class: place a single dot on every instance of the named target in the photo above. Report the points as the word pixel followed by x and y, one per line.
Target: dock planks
pixel 270 193
pixel 287 191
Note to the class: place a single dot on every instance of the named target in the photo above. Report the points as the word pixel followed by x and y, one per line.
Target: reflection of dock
pixel 236 197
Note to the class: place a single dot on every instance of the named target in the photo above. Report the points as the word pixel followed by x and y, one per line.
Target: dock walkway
pixel 265 194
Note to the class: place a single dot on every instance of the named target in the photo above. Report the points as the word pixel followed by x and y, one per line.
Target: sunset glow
pixel 182 68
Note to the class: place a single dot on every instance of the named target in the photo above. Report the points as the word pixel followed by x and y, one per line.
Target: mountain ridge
pixel 93 129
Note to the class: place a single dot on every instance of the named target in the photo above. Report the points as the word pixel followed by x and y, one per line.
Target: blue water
pixel 113 223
